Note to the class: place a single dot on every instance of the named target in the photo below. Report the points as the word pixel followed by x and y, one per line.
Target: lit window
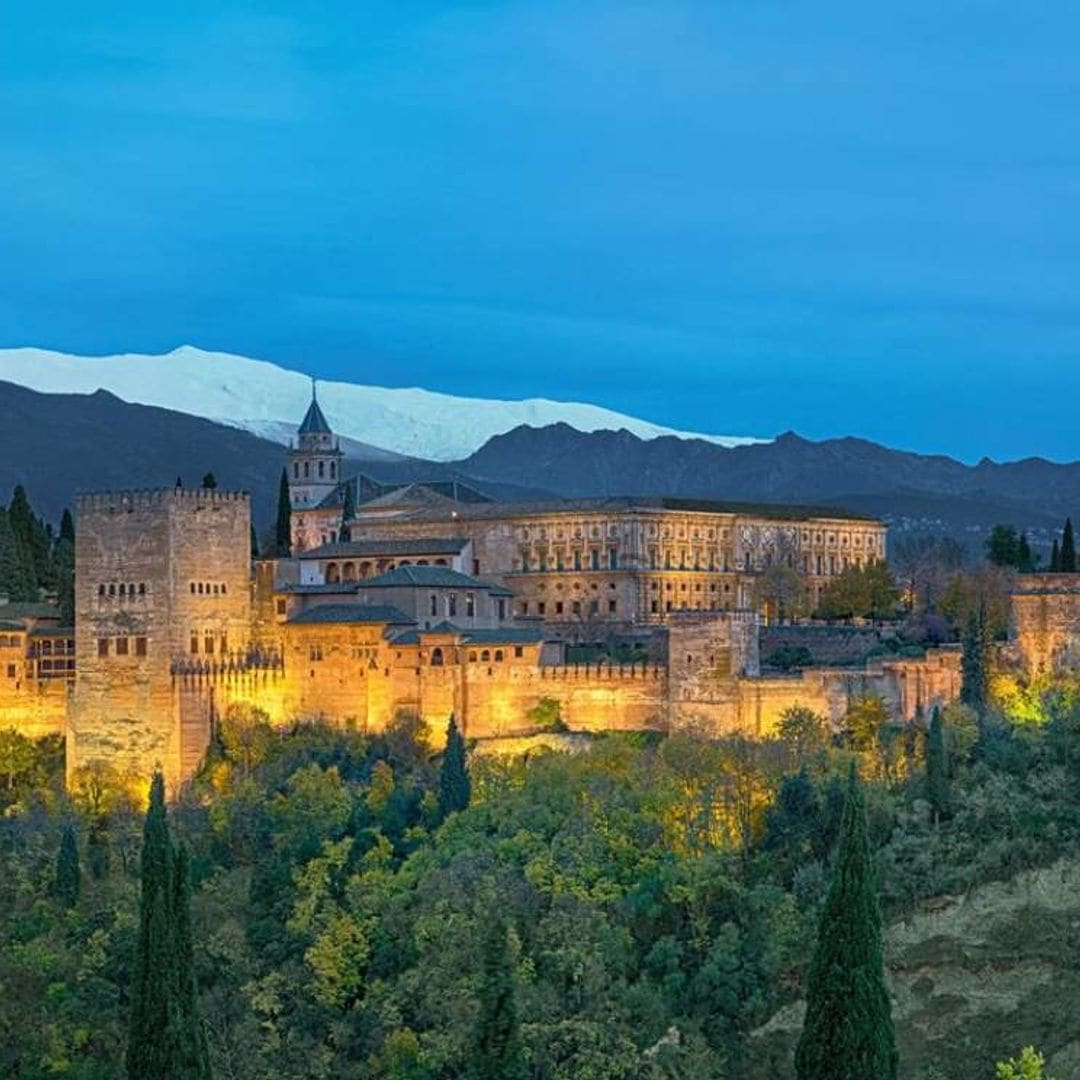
pixel 103 646
pixel 121 646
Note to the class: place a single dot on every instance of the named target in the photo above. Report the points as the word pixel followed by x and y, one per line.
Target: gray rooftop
pixel 429 577
pixel 359 549
pixel 353 613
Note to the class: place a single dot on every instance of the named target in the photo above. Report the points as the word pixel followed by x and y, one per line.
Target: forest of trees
pixel 360 906
pixel 35 559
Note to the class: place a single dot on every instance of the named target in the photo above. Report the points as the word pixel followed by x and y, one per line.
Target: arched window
pixel 101 589
pixel 498 656
pixel 436 657
pixel 333 470
pixel 348 571
pixel 472 658
pixel 333 573
pixel 122 588
pixel 322 468
pixel 296 470
pixel 307 470
pixel 485 656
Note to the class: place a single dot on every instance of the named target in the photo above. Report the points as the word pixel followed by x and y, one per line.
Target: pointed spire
pixel 314 423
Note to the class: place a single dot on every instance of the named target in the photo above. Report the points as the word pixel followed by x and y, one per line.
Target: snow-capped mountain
pixel 269 401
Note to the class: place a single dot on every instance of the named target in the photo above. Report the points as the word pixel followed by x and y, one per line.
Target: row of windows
pixel 357 571
pixel 437 659
pixel 121 646
pixel 576 607
pixel 122 588
pixel 210 641
pixel 10 641
pixel 542 561
pixel 321 470
pixel 681 532
pixel 208 588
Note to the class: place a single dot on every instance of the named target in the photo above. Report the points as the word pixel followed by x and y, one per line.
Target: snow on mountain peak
pixel 270 401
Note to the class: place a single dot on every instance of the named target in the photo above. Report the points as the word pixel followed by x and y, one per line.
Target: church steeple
pixel 315 461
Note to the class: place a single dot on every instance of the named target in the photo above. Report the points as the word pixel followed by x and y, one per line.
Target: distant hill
pixel 912 491
pixel 58 444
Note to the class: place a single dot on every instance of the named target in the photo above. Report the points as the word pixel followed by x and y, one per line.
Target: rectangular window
pixel 11 671
pixel 519 651
pixel 594 607
pixel 613 558
pixel 502 609
pixel 121 646
pixel 476 567
pixel 470 605
pixel 577 607
pixel 103 646
pixel 433 605
pixel 541 608
pixel 654 607
pixel 451 605
pixel 140 646
pixel 194 645
pixel 594 559
pixel 223 644
pixel 611 606
pixel 208 644
pixel 558 607
pixel 281 607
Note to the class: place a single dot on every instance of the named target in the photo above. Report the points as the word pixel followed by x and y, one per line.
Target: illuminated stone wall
pixel 1046 622
pixel 583 569
pixel 160 576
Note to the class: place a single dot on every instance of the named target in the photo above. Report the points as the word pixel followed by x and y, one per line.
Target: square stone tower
pixel 162 577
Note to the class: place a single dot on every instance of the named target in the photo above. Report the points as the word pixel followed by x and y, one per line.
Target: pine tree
pixel 848 1032
pixel 152 1042
pixel 67 526
pixel 283 532
pixel 63 559
pixel 348 510
pixel 209 481
pixel 973 686
pixel 1068 549
pixel 1025 559
pixel 1055 558
pixel 166 1038
pixel 193 1055
pixel 31 538
pixel 16 572
pixel 496 1052
pixel 937 768
pixel 254 542
pixel 68 877
pixel 455 788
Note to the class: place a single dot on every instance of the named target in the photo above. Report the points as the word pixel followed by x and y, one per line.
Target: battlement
pixel 155 498
pixel 1046 584
pixel 604 672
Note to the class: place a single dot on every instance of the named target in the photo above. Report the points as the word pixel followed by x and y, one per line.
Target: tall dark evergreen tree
pixel 1055 557
pixel 165 1037
pixel 152 1034
pixel 283 531
pixel 97 847
pixel 348 510
pixel 1068 549
pixel 254 542
pixel 455 787
pixel 973 668
pixel 848 1032
pixel 68 878
pixel 209 481
pixel 17 577
pixel 32 538
pixel 496 1052
pixel 1025 558
pixel 67 526
pixel 194 1057
pixel 937 768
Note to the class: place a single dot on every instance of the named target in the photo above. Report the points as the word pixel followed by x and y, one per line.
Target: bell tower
pixel 315 460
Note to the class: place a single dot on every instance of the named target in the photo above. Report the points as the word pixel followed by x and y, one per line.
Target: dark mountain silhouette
pixel 912 491
pixel 58 444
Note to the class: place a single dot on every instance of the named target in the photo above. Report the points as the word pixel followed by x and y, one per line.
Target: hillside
pixel 912 491
pixel 269 401
pixel 58 444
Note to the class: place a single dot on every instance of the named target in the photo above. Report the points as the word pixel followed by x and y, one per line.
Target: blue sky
pixel 744 216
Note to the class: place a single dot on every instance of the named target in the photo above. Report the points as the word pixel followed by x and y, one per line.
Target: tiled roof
pixel 509 635
pixel 346 588
pixel 314 423
pixel 353 613
pixel 358 549
pixel 426 577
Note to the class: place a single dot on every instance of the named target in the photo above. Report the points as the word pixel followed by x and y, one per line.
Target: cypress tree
pixel 193 1055
pixel 455 788
pixel 67 526
pixel 283 531
pixel 348 510
pixel 1025 560
pixel 209 481
pixel 254 542
pixel 1055 558
pixel 973 686
pixel 97 848
pixel 68 878
pixel 937 768
pixel 166 1038
pixel 848 1032
pixel 64 572
pixel 16 572
pixel 152 1034
pixel 496 1052
pixel 1068 549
